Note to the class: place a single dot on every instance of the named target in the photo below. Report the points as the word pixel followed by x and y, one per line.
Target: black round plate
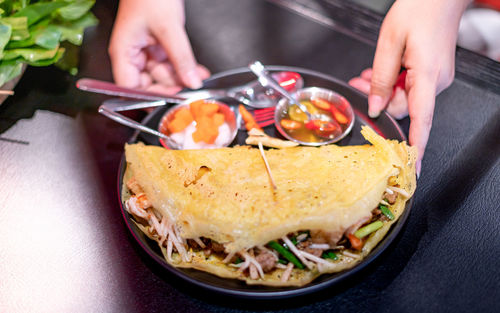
pixel 384 125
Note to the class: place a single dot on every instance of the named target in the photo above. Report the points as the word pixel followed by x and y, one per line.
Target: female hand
pixel 420 36
pixel 149 47
pixel 397 106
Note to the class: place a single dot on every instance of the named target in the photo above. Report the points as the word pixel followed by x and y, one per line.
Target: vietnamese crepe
pixel 216 211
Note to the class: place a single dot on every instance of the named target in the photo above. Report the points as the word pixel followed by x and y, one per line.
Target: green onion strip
pixel 286 254
pixel 386 211
pixel 368 229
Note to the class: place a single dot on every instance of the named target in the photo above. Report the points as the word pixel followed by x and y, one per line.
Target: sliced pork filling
pixel 304 250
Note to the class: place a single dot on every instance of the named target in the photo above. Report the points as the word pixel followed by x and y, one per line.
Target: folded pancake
pixel 216 210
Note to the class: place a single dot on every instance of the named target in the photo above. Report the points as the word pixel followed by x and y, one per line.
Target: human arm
pixel 421 37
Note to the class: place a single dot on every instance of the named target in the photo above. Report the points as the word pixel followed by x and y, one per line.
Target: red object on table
pixel 494 4
pixel 401 81
pixel 288 80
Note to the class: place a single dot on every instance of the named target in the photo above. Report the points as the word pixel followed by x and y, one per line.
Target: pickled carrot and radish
pixel 204 115
pixel 248 118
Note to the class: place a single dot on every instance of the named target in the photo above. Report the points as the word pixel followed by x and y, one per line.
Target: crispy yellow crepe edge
pixel 402 154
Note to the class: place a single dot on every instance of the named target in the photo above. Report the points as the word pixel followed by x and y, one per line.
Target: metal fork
pixel 264 117
pixel 251 94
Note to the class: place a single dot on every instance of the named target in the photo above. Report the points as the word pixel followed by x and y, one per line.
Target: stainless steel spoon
pixel 268 81
pixel 251 94
pixel 321 124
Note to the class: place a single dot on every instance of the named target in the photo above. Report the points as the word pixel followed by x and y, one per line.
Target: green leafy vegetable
pixel 34 32
pixel 49 37
pixel 76 10
pixel 46 62
pixel 5 32
pixel 39 10
pixel 238 261
pixel 9 70
pixel 70 61
pixel 31 55
pixel 19 27
pixel 285 252
pixel 73 32
pixel 329 255
pixel 41 33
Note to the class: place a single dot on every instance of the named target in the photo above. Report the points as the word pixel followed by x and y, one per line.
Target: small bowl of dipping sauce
pixel 292 123
pixel 198 124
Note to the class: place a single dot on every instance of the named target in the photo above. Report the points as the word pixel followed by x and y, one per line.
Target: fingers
pixel 127 61
pixel 162 89
pixel 163 73
pixel 361 84
pixel 421 99
pixel 386 66
pixel 176 43
pixel 128 58
pixel 398 106
pixel 145 80
pixel 203 72
pixel 157 53
pixel 367 74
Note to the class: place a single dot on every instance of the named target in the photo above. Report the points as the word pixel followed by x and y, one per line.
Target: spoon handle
pixel 107 88
pixel 268 81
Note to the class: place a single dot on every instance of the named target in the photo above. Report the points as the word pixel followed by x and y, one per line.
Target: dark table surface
pixel 65 248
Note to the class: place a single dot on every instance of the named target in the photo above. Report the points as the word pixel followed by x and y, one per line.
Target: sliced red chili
pixel 313 124
pixel 339 116
pixel 321 104
pixel 323 128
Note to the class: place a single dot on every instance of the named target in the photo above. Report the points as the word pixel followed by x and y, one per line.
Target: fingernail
pixel 418 167
pixel 193 80
pixel 373 114
pixel 375 105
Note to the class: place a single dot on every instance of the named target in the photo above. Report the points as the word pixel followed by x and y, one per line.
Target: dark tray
pixel 384 125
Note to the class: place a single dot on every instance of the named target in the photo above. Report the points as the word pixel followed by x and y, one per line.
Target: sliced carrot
pixel 251 125
pixel 321 104
pixel 176 125
pixel 218 119
pixel 356 243
pixel 209 108
pixel 211 137
pixel 198 135
pixel 181 120
pixel 184 114
pixel 205 130
pixel 248 118
pixel 289 124
pixel 195 108
pixel 245 114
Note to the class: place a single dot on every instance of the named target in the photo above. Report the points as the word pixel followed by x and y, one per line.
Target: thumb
pixel 176 43
pixel 386 66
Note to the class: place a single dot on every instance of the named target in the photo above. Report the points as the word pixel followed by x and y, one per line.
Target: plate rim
pixel 382 246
